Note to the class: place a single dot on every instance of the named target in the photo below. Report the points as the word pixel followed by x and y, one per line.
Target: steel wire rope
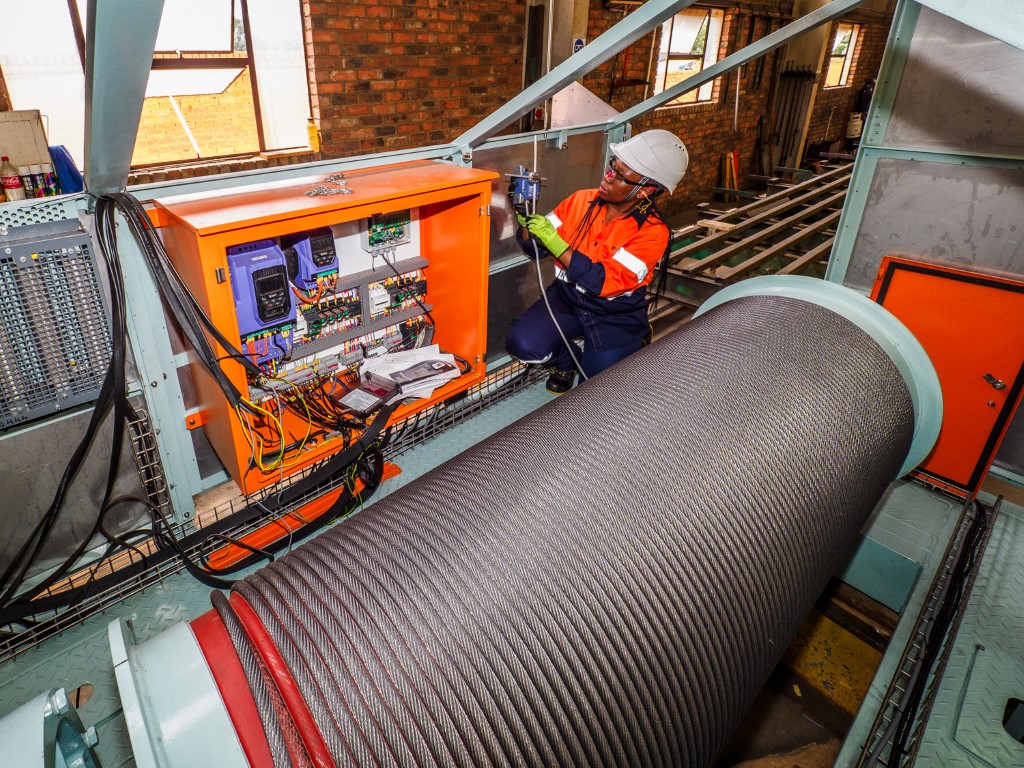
pixel 408 730
pixel 267 709
pixel 469 561
pixel 508 726
pixel 407 660
pixel 365 556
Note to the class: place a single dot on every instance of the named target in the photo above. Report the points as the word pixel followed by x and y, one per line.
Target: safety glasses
pixel 613 171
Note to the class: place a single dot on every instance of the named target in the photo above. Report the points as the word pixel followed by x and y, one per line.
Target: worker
pixel 606 243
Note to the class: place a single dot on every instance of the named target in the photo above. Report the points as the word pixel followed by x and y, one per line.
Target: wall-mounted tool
pixel 523 190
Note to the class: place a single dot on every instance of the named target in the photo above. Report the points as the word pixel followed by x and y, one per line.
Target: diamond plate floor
pixel 82 654
pixel 986 666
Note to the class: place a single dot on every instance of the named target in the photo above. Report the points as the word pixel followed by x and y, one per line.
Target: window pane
pixel 686 31
pixel 278 51
pixel 843 49
pixel 835 71
pixel 689 43
pixel 185 111
pixel 842 41
pixel 195 25
pixel 43 71
pixel 678 70
pixel 851 49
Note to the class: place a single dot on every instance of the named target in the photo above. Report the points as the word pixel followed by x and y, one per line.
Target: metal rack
pixel 788 232
pixel 54 332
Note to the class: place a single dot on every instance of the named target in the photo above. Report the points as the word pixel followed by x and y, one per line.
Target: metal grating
pixel 38 211
pixel 147 460
pixel 897 702
pixel 54 330
pixel 504 382
pixel 498 386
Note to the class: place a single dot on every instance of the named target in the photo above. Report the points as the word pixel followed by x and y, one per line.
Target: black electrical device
pixel 270 285
pixel 321 246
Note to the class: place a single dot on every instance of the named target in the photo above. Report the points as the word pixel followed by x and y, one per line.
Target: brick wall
pixel 708 130
pixel 398 74
pixel 393 74
pixel 221 124
pixel 832 106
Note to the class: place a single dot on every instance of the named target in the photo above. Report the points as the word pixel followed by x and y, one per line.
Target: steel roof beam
pixel 120 38
pixel 634 26
pixel 753 51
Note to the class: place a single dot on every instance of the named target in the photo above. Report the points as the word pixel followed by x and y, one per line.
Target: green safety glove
pixel 542 229
pixel 521 219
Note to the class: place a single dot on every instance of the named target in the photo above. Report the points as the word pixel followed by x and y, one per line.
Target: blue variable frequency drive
pixel 309 256
pixel 263 296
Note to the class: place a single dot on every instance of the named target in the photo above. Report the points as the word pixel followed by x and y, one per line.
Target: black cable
pixel 184 307
pixel 110 397
pixel 330 470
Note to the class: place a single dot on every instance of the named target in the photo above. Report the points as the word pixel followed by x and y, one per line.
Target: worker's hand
pixel 542 229
pixel 521 219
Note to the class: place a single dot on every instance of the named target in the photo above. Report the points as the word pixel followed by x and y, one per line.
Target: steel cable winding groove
pixel 610 580
pixel 258 682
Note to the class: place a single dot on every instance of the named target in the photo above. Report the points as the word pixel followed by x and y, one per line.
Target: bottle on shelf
pixel 50 183
pixel 25 172
pixel 11 180
pixel 37 180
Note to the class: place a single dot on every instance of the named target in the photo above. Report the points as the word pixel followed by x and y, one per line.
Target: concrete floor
pixel 776 725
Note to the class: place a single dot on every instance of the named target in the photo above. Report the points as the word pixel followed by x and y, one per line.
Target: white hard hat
pixel 656 154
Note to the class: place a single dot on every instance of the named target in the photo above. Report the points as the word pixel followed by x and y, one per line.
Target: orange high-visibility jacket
pixel 609 259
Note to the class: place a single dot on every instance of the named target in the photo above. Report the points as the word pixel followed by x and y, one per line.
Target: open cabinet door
pixel 972 326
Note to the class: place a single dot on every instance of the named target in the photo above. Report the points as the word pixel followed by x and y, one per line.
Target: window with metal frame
pixel 690 41
pixel 219 63
pixel 228 77
pixel 840 60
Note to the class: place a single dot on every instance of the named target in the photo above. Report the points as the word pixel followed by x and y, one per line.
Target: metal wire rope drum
pixel 610 580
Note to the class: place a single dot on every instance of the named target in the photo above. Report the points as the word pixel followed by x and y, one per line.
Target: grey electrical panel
pixel 54 325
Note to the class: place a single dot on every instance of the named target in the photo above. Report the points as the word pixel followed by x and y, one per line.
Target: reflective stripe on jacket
pixel 609 259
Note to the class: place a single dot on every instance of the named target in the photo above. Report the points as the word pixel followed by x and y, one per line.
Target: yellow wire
pixel 250 436
pixel 280 462
pixel 280 432
pixel 309 417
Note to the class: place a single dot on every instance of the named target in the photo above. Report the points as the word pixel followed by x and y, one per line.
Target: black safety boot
pixel 560 381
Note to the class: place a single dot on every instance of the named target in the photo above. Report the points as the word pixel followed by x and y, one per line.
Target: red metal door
pixel 972 326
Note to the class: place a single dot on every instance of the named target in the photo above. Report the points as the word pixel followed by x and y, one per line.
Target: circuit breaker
pixel 307 286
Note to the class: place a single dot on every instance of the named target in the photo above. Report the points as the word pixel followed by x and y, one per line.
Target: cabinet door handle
pixel 996 383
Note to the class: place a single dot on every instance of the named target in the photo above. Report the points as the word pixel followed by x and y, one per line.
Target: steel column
pixel 119 52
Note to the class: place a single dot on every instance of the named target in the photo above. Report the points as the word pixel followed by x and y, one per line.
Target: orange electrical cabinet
pixel 449 205
pixel 972 327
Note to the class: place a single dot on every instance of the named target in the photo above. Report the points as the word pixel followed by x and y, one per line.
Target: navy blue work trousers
pixel 611 330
